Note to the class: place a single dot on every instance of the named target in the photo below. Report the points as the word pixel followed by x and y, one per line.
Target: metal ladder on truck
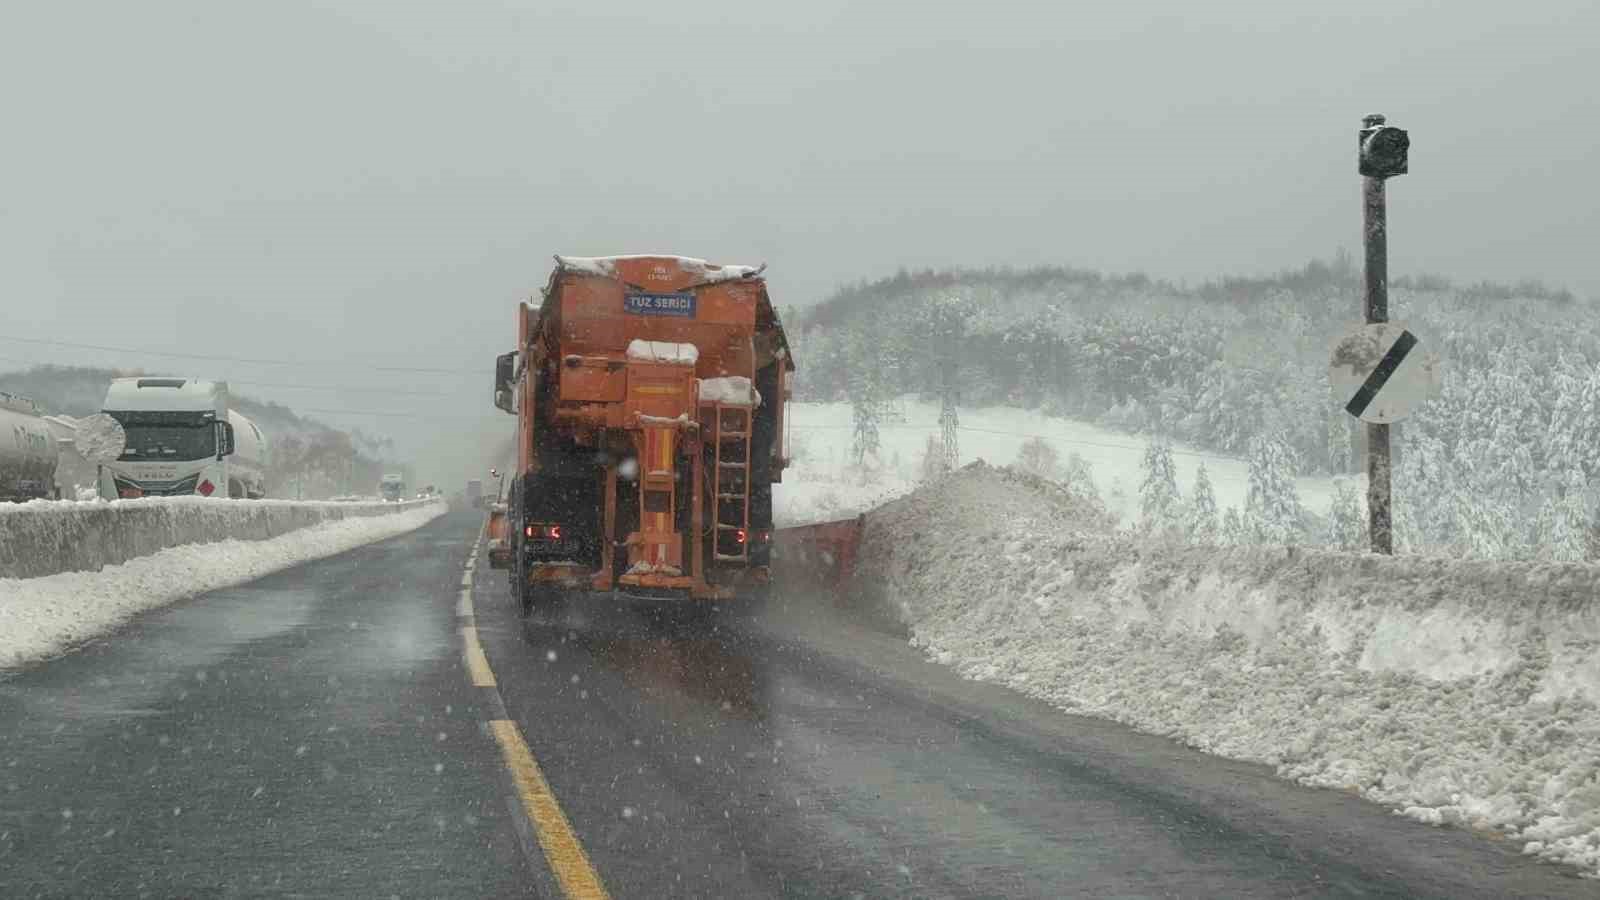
pixel 730 480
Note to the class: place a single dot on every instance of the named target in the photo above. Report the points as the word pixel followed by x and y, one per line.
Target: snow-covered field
pixel 824 483
pixel 1460 692
pixel 40 617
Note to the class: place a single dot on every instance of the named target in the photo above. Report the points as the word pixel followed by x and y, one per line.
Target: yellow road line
pixel 567 858
pixel 464 603
pixel 477 663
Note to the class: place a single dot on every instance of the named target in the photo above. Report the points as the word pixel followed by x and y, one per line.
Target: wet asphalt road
pixel 806 755
pixel 309 734
pixel 314 734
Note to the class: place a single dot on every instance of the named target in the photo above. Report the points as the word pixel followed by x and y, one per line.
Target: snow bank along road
pixel 1454 691
pixel 230 542
pixel 46 537
pixel 321 732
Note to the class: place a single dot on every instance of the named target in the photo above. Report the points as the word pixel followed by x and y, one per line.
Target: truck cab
pixel 183 440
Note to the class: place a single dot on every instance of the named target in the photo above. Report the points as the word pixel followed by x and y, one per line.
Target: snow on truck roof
pixel 606 266
pixel 165 393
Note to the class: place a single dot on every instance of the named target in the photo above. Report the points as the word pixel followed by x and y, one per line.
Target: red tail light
pixel 554 531
pixel 740 536
pixel 206 487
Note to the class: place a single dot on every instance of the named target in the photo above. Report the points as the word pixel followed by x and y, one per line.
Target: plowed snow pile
pixel 43 616
pixel 1454 691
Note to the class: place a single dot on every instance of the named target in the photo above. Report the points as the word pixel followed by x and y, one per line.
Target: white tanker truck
pixel 28 452
pixel 182 439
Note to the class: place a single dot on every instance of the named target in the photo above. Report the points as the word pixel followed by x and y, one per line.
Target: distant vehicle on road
pixel 184 439
pixel 392 488
pixel 28 452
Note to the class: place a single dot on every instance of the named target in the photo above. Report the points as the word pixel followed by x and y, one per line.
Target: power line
pixel 400 392
pixel 236 359
pixel 399 415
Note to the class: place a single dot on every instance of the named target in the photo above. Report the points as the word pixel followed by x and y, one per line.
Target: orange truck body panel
pixel 823 553
pixel 660 448
pixel 498 530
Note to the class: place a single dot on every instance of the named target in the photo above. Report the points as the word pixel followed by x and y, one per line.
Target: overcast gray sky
pixel 356 185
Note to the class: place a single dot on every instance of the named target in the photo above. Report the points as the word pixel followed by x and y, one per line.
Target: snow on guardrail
pixel 1455 691
pixel 44 537
pixel 42 616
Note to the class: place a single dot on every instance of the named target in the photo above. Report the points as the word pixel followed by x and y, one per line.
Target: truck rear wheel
pixel 532 597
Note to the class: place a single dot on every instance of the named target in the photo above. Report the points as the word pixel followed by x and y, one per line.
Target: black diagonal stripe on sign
pixel 1380 376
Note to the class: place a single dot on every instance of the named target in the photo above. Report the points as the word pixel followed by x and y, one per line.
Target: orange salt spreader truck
pixel 649 393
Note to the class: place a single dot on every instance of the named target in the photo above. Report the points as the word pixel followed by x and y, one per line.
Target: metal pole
pixel 1379 523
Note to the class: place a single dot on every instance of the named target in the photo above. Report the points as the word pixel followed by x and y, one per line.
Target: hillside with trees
pixel 1504 464
pixel 305 458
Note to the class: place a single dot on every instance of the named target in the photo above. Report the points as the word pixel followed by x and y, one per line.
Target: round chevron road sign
pixel 1381 372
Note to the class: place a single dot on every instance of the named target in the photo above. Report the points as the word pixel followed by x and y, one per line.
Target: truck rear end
pixel 650 396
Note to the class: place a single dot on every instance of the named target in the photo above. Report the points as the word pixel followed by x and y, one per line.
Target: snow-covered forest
pixel 306 459
pixel 1504 464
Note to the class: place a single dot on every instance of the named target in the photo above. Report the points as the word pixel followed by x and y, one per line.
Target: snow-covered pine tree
pixel 1272 504
pixel 1565 521
pixel 864 438
pixel 1160 504
pixel 1078 475
pixel 1497 493
pixel 1496 505
pixel 1589 414
pixel 1572 442
pixel 1037 457
pixel 1339 443
pixel 1347 530
pixel 1234 533
pixel 1564 439
pixel 1202 511
pixel 932 464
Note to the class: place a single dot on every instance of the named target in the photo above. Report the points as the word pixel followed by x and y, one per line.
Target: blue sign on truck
pixel 647 304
